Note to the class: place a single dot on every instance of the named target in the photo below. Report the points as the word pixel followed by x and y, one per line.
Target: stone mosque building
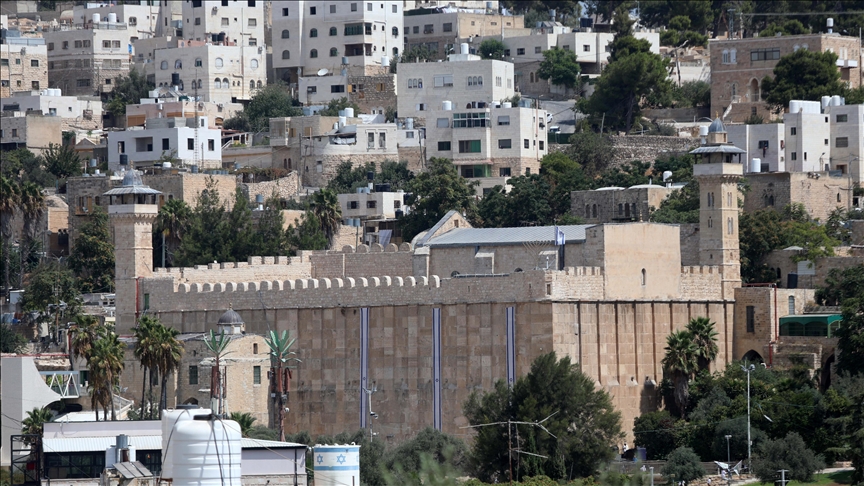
pixel 425 324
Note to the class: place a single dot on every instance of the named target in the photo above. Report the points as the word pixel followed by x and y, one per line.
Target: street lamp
pixel 652 475
pixel 728 455
pixel 747 369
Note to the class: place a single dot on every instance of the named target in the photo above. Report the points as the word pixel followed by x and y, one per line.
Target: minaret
pixel 718 173
pixel 132 209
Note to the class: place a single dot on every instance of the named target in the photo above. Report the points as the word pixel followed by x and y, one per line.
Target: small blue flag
pixel 560 240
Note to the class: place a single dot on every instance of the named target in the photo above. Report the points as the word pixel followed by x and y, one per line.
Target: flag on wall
pixel 436 368
pixel 560 240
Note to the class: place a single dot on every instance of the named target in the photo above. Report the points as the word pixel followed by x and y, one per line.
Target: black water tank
pixel 124 159
pixel 175 79
pixel 399 213
pixel 586 23
pixel 370 176
pixel 221 37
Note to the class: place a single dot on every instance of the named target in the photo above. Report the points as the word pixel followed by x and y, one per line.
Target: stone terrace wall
pixel 364 262
pixel 701 283
pixel 626 148
pixel 286 188
pixel 255 269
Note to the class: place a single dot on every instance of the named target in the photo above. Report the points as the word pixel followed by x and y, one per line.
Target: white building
pixel 814 137
pixel 188 139
pixel 167 103
pixel 140 20
pixel 312 35
pixel 76 112
pixel 366 204
pixel 229 21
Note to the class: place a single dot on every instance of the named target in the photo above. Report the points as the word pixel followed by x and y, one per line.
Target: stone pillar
pixel 718 221
pixel 133 255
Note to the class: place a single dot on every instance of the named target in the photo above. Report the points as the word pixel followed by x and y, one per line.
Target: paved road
pixel 562 114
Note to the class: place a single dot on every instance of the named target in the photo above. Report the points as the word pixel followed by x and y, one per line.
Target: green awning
pixel 818 325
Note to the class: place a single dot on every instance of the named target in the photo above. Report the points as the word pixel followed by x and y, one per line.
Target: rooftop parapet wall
pixel 701 283
pixel 255 269
pixel 364 261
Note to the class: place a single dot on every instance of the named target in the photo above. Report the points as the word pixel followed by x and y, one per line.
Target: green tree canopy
pixel 683 465
pixel 92 255
pixel 492 49
pixel 22 165
pixel 433 193
pixel 802 75
pixel 61 161
pixel 658 432
pixel 845 287
pixel 406 460
pixel 50 284
pixel 128 89
pixel 789 453
pixel 272 101
pixel 582 421
pixel 336 105
pixel 11 341
pixel 560 66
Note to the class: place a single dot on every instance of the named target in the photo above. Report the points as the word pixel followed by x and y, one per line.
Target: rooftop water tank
pixel 464 49
pixel 344 61
pixel 96 18
pixel 349 112
pixel 755 166
pixel 94 162
pixel 112 18
pixel 194 169
pixel 835 100
pixel 826 101
pixel 507 104
pixel 794 107
pixel 342 121
pixel 703 131
pixel 166 165
pixel 385 61
pixel 447 105
pixel 169 419
pixel 336 465
pixel 409 124
pixel 205 452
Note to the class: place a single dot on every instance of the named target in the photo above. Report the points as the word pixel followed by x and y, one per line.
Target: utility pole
pixel 748 369
pixel 728 455
pixel 372 414
pixel 783 480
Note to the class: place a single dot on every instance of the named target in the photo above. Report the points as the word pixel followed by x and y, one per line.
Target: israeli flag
pixel 560 240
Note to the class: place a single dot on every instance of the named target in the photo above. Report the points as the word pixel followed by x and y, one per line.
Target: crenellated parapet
pixel 702 282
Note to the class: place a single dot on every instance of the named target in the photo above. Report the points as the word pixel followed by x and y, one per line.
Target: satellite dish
pixel 323 72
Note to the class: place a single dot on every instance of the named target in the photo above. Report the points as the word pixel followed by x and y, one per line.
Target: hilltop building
pixel 23 63
pixel 83 113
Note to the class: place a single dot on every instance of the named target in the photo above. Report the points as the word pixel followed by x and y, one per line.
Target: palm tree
pixel 680 361
pixel 9 198
pixel 106 364
pixel 32 204
pixel 34 423
pixel 705 338
pixel 171 222
pixel 144 352
pixel 325 205
pixel 86 332
pixel 245 419
pixel 167 353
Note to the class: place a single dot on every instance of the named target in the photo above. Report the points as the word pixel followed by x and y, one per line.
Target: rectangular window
pixel 395 9
pixel 193 375
pixel 337 88
pixel 211 144
pixel 444 146
pixel 371 204
pixel 86 43
pixel 165 144
pixel 146 301
pixel 198 63
pixel 50 46
pixel 526 143
pixel 751 318
pixel 313 11
pixel 841 142
pixel 332 9
pixel 77 44
pixel 352 205
pixel 106 44
pixel 284 11
pixel 190 143
pixel 504 120
pixel 14 133
pixel 470 120
pixel 253 22
pixel 469 146
pixel 537 50
pixel 115 44
pixel 428 29
pixel 311 89
pixel 443 80
pixel 505 143
pixel 409 134
pixel 353 7
pixel 794 155
pixel 842 118
pixel 448 27
pixel 764 55
pixel 443 123
pixel 34 84
pixel 382 140
pixel 256 375
pixel 416 29
pixel 520 51
pixel 541 145
pixel 121 147
pixel 370 140
pixel 504 172
pixel 197 20
pixel 369 7
pixel 353 29
pixel 793 131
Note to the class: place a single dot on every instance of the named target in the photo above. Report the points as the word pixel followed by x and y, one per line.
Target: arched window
pixel 334 31
pixel 313 33
pixel 395 31
pixel 395 51
pixel 587 211
pixel 313 53
pixel 479 80
pixel 163 65
pixel 333 52
pixel 198 62
pixel 726 56
pixel 643 280
pixel 729 199
pixel 251 84
pixel 253 63
pixel 217 84
pixel 218 62
pixel 286 34
pixel 626 210
pixel 593 210
pixel 199 84
pixel 710 222
pixel 771 200
pixel 286 54
pixel 734 55
pixel 620 210
pixel 259 84
pixel 178 64
pixel 225 83
pixel 729 226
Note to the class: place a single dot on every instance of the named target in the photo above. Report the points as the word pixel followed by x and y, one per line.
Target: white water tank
pixel 826 101
pixel 835 100
pixel 112 18
pixel 409 124
pixel 447 105
pixel 507 104
pixel 795 106
pixel 666 175
pixel 96 18
pixel 342 121
pixel 336 465
pixel 755 166
pixel 463 48
pixel 349 112
pixel 385 61
pixel 205 452
pixel 172 417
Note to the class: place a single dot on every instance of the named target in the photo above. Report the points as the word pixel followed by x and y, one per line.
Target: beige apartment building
pixel 32 131
pixel 739 65
pixel 440 32
pixel 233 22
pixel 310 37
pixel 141 20
pixel 84 113
pixel 23 65
pixel 86 58
pixel 216 73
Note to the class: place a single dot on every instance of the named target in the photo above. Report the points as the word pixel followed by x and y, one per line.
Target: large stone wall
pixel 285 188
pixel 255 269
pixel 627 148
pixel 379 92
pixel 819 193
pixel 365 261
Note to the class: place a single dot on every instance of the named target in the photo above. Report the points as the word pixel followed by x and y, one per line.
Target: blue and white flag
pixel 560 240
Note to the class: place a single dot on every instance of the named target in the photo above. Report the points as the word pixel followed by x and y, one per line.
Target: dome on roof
pixel 717 126
pixel 132 178
pixel 230 318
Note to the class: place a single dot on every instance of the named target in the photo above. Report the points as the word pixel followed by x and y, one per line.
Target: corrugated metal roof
pixel 507 236
pixel 142 443
pixel 718 149
pixel 132 470
pixel 119 191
